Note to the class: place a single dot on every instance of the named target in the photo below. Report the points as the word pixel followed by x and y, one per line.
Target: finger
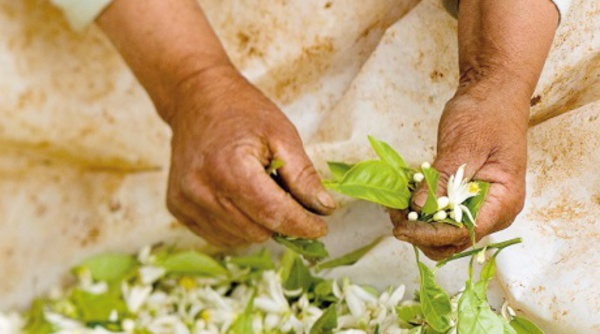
pixel 234 220
pixel 440 253
pixel 301 179
pixel 499 210
pixel 430 234
pixel 268 205
pixel 220 225
pixel 252 231
pixel 201 227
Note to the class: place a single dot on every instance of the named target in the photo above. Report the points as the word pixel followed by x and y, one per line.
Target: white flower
pixel 418 177
pixel 128 325
pixel 273 299
pixel 440 215
pixel 425 165
pixel 443 202
pixel 62 322
pixel 412 216
pixel 391 300
pixel 86 282
pixel 10 323
pixel 135 296
pixel 459 190
pixel 481 257
pixel 151 274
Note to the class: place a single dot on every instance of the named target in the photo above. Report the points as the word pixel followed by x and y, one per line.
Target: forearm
pixel 164 43
pixel 503 45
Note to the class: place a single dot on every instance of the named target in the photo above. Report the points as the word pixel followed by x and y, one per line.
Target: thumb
pixel 300 178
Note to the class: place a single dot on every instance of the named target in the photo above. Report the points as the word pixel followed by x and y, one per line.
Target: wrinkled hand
pixel 225 134
pixel 488 134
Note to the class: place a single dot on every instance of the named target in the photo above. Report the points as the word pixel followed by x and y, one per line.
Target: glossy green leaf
pixel 192 263
pixel 475 315
pixel 243 323
pixel 259 261
pixel 338 169
pixel 109 267
pixel 487 273
pixel 36 322
pixel 387 154
pixel 295 274
pixel 312 250
pixel 475 203
pixel 435 302
pixel 326 323
pixel 523 326
pixel 347 259
pixel 323 293
pixel 96 308
pixel 431 178
pixel 377 182
pixel 410 313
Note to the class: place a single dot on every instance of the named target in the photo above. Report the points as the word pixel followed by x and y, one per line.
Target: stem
pixel 498 245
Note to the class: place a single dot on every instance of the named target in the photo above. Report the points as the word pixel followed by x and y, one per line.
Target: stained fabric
pixel 84 157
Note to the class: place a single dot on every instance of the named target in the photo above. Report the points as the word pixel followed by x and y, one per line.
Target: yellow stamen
pixel 474 188
pixel 187 283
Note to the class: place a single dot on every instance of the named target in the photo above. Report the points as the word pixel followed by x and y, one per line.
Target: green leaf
pixel 243 323
pixel 36 322
pixel 431 178
pixel 377 182
pixel 109 267
pixel 338 169
pixel 348 259
pixel 96 308
pixel 323 293
pixel 410 313
pixel 435 302
pixel 524 326
pixel 259 261
pixel 475 315
pixel 474 203
pixel 487 273
pixel 274 165
pixel 295 274
pixel 388 154
pixel 327 322
pixel 312 250
pixel 192 263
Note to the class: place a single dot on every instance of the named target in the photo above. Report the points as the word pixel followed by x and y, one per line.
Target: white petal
pixel 460 173
pixel 457 214
pixel 396 296
pixel 355 304
pixel 469 215
pixel 150 274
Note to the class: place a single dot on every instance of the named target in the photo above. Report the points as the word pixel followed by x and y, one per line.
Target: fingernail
pixel 326 200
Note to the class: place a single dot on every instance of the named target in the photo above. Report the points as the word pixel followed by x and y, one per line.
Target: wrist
pixel 208 82
pixel 500 85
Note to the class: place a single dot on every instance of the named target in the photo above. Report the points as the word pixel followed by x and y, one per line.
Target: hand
pixel 489 136
pixel 225 134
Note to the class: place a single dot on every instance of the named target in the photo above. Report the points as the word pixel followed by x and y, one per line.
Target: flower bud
pixel 418 177
pixel 412 216
pixel 481 257
pixel 440 215
pixel 443 202
pixel 425 165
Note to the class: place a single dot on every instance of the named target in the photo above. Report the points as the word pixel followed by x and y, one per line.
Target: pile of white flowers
pixel 151 297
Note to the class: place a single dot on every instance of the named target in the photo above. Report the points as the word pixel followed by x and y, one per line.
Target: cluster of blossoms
pixel 151 298
pixel 459 190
